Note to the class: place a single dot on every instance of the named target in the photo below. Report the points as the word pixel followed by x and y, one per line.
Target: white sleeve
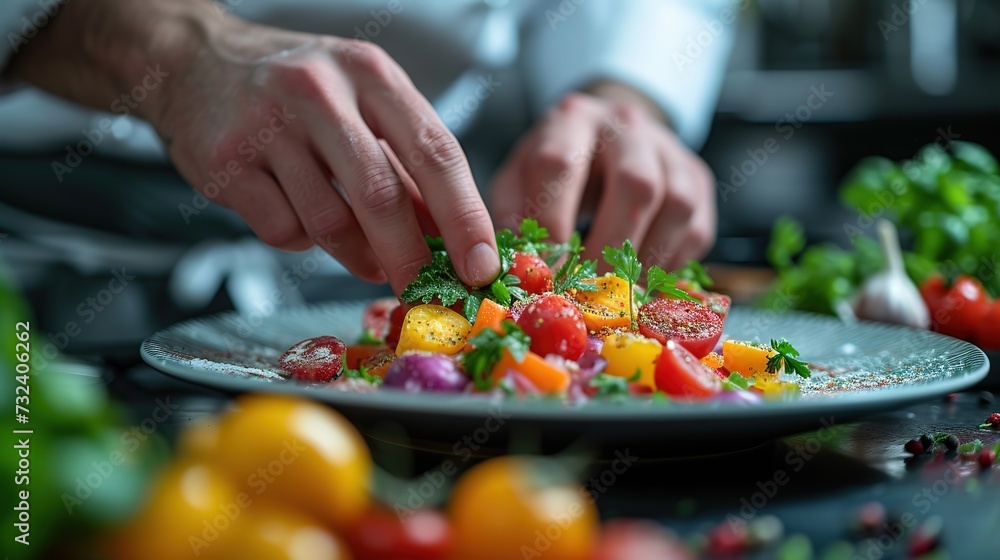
pixel 674 51
pixel 20 22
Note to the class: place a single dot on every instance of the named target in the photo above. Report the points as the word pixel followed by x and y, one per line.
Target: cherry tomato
pixel 315 360
pixel 509 507
pixel 638 539
pixel 396 325
pixel 719 303
pixel 296 452
pixel 961 308
pixel 691 324
pixel 555 326
pixel 190 500
pixel 376 319
pixel 516 308
pixel 679 373
pixel 412 535
pixel 277 533
pixel 988 333
pixel 536 278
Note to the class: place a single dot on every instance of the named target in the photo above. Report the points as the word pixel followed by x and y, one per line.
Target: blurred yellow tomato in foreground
pixel 295 452
pixel 521 507
pixel 266 532
pixel 190 504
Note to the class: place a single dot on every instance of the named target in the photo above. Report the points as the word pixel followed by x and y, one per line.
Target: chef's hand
pixel 613 156
pixel 261 120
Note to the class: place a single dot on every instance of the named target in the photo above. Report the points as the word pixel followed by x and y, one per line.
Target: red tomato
pixel 638 539
pixel 382 535
pixel 958 310
pixel 514 313
pixel 680 374
pixel 376 319
pixel 720 303
pixel 396 325
pixel 315 360
pixel 691 324
pixel 536 278
pixel 988 333
pixel 555 326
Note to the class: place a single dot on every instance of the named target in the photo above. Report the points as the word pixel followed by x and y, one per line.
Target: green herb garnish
pixel 612 386
pixel 971 447
pixel 368 339
pixel 659 280
pixel 436 280
pixel 787 358
pixel 627 267
pixel 695 274
pixel 488 347
pixel 736 382
pixel 573 272
pixel 362 373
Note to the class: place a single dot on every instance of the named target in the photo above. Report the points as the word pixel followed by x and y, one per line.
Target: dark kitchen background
pixel 899 75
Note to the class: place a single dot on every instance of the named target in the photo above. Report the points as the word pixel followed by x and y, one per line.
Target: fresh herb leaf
pixel 556 251
pixel 661 397
pixel 500 293
pixel 659 280
pixel 368 339
pixel 362 373
pixel 470 306
pixel 434 243
pixel 695 274
pixel 488 348
pixel 787 357
pixel 627 267
pixel 533 236
pixel 609 386
pixel 573 272
pixel 735 382
pixel 971 447
pixel 436 280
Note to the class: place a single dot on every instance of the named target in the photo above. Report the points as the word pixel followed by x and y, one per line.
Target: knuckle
pixel 575 102
pixel 630 114
pixel 682 204
pixel 382 193
pixel 441 150
pixel 303 78
pixel 700 239
pixel 552 161
pixel 469 215
pixel 327 225
pixel 371 60
pixel 641 188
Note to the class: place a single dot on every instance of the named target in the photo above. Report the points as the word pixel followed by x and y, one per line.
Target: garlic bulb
pixel 890 296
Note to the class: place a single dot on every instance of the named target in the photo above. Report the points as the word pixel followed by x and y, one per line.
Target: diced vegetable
pixel 627 354
pixel 490 315
pixel 747 358
pixel 680 374
pixel 545 376
pixel 417 371
pixel 433 328
pixel 607 306
pixel 358 353
pixel 713 360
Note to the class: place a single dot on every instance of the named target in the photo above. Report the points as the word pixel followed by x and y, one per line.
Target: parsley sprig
pixel 612 387
pixel 627 267
pixel 488 348
pixel 659 280
pixel 695 274
pixel 362 373
pixel 787 358
pixel 574 271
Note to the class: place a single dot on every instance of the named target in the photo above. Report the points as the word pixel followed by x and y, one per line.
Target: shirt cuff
pixel 672 51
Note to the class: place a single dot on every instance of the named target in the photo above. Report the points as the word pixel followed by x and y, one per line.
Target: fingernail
pixel 482 264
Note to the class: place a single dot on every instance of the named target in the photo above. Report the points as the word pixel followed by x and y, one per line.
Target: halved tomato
pixel 376 319
pixel 607 306
pixel 691 324
pixel 680 374
pixel 719 303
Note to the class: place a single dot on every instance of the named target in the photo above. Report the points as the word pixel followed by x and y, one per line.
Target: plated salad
pixel 550 325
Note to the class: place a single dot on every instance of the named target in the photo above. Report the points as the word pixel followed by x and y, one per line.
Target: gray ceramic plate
pixel 864 369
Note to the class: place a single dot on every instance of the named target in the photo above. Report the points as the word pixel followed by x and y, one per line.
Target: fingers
pixel 258 199
pixel 424 217
pixel 634 184
pixel 506 191
pixel 555 172
pixel 437 163
pixel 324 214
pixel 685 226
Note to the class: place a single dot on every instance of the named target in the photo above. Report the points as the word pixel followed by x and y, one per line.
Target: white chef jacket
pixel 507 57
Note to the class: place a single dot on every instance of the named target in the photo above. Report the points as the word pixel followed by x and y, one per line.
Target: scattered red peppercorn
pixel 986 458
pixel 914 447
